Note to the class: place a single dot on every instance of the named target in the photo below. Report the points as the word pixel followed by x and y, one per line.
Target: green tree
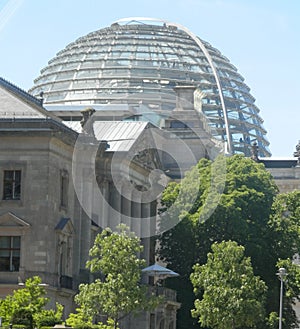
pixel 290 297
pixel 233 296
pixel 118 292
pixel 238 210
pixel 283 236
pixel 26 305
pixel 291 292
pixel 249 211
pixel 80 319
pixel 284 224
pixel 50 317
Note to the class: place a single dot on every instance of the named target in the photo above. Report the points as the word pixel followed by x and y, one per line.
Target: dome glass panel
pixel 147 61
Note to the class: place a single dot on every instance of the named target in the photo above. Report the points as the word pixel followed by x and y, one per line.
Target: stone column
pixel 101 201
pixel 87 201
pixel 136 213
pixel 126 206
pixel 105 203
pixel 115 209
pixel 145 230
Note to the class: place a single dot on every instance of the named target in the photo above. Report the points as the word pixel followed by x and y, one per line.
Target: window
pixel 64 184
pixel 12 185
pixel 65 234
pixel 178 124
pixel 10 253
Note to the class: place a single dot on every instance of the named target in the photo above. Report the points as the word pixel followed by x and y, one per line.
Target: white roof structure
pixel 120 135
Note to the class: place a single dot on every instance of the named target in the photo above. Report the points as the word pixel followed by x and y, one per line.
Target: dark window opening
pixel 178 124
pixel 12 185
pixel 10 253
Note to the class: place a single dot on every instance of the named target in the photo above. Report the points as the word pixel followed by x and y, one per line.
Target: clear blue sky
pixel 260 37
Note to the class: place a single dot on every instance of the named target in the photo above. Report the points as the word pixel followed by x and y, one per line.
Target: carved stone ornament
pixel 297 153
pixel 254 151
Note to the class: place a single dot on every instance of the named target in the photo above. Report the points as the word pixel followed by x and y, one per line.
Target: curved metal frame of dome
pixel 208 57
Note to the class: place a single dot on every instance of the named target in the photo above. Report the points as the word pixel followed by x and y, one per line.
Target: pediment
pixel 10 220
pixel 19 104
pixel 14 107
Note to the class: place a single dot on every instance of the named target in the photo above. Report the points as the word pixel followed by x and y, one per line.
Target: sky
pixel 260 37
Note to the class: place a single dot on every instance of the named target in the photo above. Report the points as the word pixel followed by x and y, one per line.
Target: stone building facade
pixel 63 180
pixel 47 224
pixel 285 171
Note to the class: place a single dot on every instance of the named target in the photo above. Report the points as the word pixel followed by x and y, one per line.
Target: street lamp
pixel 281 275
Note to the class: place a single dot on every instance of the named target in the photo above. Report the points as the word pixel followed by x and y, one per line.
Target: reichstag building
pixel 110 120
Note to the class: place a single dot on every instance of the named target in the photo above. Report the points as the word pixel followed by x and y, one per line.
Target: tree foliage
pixel 248 211
pixel 291 292
pixel 241 214
pixel 233 297
pixel 118 292
pixel 49 318
pixel 26 306
pixel 81 320
pixel 285 225
pixel 284 233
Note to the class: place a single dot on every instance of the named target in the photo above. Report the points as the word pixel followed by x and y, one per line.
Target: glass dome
pixel 135 61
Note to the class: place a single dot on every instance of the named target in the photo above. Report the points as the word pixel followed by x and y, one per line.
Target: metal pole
pixel 280 306
pixel 281 275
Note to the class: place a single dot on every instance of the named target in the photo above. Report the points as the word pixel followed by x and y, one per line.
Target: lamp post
pixel 281 275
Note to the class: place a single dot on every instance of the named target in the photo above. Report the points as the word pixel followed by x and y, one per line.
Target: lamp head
pixel 282 273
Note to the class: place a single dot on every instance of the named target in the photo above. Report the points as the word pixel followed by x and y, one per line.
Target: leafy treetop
pixel 233 296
